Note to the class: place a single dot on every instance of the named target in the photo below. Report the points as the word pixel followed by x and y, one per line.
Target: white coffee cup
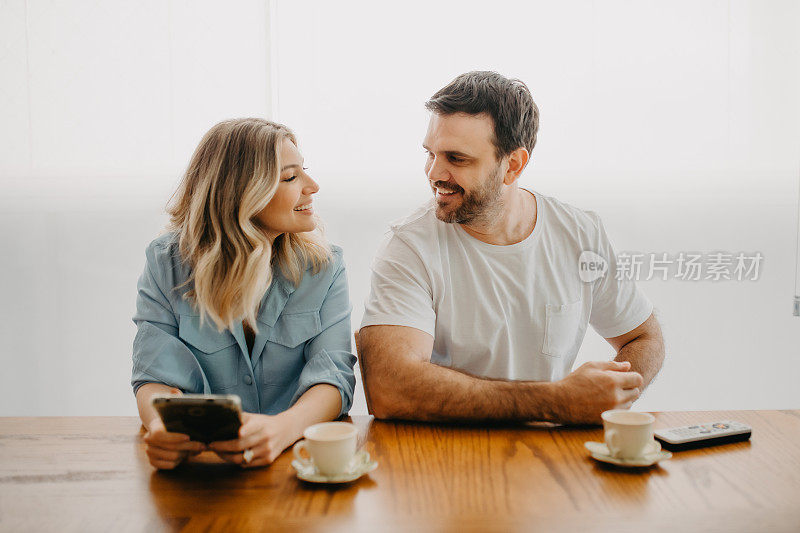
pixel 331 446
pixel 627 433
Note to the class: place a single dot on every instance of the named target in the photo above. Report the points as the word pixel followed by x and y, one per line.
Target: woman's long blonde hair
pixel 231 178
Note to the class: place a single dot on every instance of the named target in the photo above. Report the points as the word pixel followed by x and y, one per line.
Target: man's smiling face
pixel 462 167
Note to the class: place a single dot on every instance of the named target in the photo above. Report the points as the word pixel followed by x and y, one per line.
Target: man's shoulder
pixel 563 216
pixel 422 219
pixel 418 229
pixel 414 234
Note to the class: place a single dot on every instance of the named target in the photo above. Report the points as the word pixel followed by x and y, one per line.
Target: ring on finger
pixel 247 455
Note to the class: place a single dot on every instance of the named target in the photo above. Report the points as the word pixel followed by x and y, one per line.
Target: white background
pixel 676 121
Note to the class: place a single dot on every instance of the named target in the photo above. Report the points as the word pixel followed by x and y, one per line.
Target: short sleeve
pixel 400 289
pixel 618 305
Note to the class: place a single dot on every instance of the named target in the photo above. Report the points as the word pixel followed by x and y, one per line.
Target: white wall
pixel 101 106
pixel 677 122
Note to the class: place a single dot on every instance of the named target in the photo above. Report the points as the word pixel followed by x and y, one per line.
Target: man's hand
pixel 267 436
pixel 595 387
pixel 167 450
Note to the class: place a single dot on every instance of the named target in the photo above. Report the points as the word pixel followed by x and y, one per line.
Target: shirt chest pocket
pixel 284 355
pixel 562 324
pixel 217 352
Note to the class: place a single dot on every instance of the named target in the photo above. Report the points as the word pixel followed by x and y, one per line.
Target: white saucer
pixel 360 465
pixel 652 455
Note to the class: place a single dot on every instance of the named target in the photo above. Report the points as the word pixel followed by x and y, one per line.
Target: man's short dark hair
pixel 508 102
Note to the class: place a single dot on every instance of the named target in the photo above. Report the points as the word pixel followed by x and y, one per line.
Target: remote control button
pixel 705 431
pixel 721 426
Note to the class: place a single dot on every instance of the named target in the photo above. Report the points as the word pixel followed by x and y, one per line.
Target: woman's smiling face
pixel 290 210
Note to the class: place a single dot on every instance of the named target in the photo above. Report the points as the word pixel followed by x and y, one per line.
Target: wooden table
pixel 91 474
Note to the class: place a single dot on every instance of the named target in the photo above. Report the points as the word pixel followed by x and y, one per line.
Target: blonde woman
pixel 244 296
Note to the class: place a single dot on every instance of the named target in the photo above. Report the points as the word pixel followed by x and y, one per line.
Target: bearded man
pixel 480 299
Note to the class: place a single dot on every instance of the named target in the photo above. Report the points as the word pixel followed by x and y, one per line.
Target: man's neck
pixel 512 224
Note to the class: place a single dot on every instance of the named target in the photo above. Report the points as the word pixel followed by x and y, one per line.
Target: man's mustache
pixel 445 186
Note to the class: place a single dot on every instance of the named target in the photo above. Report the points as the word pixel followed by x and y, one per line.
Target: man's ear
pixel 517 160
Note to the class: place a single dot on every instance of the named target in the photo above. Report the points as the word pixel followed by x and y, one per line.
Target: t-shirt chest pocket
pixel 283 357
pixel 562 323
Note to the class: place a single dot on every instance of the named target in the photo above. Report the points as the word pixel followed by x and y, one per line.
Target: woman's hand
pixel 167 450
pixel 267 436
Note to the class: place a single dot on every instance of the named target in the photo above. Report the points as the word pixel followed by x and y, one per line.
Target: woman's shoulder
pixel 317 282
pixel 164 260
pixel 337 255
pixel 326 271
pixel 163 250
pixel 163 242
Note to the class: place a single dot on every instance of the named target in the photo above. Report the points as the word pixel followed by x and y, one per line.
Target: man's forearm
pixel 426 391
pixel 645 354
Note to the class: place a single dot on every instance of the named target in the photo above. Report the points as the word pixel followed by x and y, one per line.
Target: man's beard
pixel 480 203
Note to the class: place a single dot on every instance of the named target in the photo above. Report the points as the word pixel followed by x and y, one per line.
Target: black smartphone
pixel 204 417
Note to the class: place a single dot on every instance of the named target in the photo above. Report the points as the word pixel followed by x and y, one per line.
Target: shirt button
pixel 248 380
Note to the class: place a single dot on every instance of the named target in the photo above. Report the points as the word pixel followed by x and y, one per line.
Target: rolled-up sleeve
pixel 159 356
pixel 329 357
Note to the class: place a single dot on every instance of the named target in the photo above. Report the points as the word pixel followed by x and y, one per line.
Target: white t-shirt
pixel 515 312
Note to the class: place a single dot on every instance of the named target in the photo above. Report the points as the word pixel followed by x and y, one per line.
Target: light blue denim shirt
pixel 303 336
